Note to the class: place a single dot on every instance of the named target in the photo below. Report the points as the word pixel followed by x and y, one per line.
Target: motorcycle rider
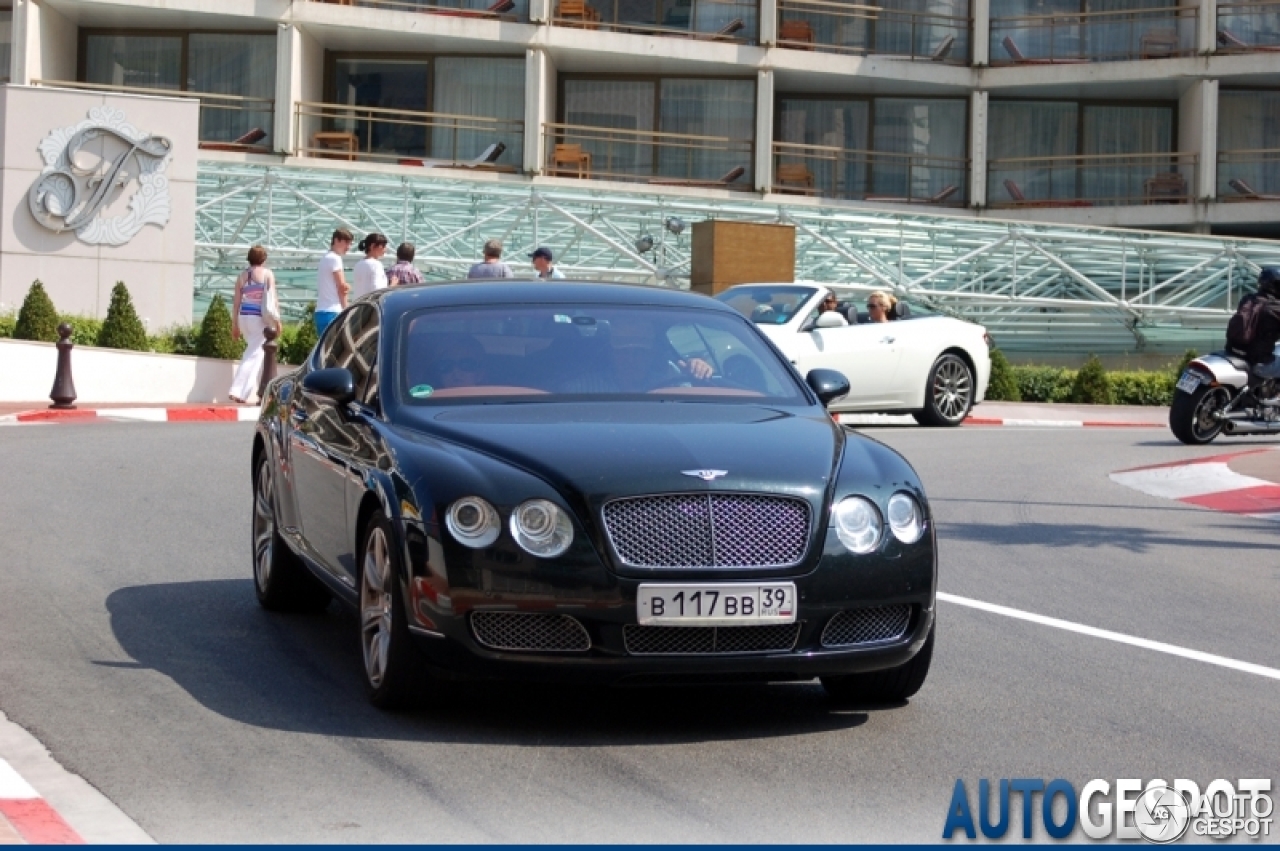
pixel 1261 350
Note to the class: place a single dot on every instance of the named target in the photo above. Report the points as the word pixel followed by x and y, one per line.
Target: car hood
pixel 601 451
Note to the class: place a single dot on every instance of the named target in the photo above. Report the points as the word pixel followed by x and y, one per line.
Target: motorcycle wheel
pixel 1191 416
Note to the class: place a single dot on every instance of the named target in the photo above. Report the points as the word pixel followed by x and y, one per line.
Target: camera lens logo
pixel 1162 814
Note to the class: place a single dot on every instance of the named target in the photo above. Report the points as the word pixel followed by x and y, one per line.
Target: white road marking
pixel 1191 479
pixel 12 786
pixel 1119 637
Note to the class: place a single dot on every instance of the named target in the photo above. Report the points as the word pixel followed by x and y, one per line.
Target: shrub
pixel 176 340
pixel 1002 387
pixel 85 329
pixel 1091 386
pixel 8 319
pixel 1142 388
pixel 37 319
pixel 1187 357
pixel 122 329
pixel 297 341
pixel 1043 383
pixel 214 339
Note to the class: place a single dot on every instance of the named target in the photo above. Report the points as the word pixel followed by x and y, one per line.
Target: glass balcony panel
pixel 1249 145
pixel 386 85
pixel 1060 31
pixel 488 86
pixel 6 42
pixel 502 10
pixel 937 29
pixel 1244 27
pixel 717 20
pixel 375 134
pixel 627 105
pixel 239 65
pixel 134 61
pixel 1117 130
pixel 860 175
pixel 812 130
pixel 708 108
pixel 1021 129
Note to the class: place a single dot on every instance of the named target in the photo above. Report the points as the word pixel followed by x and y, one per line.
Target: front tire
pixel 280 579
pixel 1191 415
pixel 393 667
pixel 948 395
pixel 893 685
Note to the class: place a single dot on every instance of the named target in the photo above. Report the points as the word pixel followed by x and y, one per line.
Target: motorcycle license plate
pixel 1188 382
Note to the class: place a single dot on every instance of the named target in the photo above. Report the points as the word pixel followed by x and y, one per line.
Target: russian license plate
pixel 1189 382
pixel 716 604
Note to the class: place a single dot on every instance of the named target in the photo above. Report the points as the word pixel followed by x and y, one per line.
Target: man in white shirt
pixel 331 284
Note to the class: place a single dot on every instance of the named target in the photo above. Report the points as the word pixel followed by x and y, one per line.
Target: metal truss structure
pixel 1037 287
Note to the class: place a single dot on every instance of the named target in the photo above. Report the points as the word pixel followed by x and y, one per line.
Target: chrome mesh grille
pixel 708 530
pixel 705 640
pixel 548 633
pixel 866 626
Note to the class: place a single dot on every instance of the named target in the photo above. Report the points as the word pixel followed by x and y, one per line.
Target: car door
pixel 323 445
pixel 867 354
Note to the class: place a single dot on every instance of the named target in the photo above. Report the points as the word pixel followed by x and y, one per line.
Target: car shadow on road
pixel 1134 539
pixel 303 673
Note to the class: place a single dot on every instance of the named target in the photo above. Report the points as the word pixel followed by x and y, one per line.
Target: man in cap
pixel 542 261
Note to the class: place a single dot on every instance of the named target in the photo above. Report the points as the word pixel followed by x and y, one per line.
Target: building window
pixel 928 29
pixel 1040 31
pixel 664 129
pixel 1249 145
pixel 906 149
pixel 448 108
pixel 6 43
pixel 233 74
pixel 1054 153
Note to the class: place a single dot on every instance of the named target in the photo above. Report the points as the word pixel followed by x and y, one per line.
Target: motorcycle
pixel 1219 394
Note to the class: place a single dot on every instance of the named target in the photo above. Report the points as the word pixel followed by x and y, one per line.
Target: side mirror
pixel 337 385
pixel 828 384
pixel 830 319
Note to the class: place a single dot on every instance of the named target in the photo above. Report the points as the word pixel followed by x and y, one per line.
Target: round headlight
pixel 541 528
pixel 473 522
pixel 857 524
pixel 906 519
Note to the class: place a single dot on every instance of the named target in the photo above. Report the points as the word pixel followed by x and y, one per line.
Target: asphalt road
pixel 131 645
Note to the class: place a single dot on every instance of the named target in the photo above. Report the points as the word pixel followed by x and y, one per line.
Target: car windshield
pixel 767 305
pixel 543 353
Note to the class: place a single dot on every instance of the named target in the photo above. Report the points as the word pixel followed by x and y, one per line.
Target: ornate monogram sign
pixel 86 164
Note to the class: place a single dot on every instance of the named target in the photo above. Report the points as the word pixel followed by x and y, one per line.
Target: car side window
pixel 353 345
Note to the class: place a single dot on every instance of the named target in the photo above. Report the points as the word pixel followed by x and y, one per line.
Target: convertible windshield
pixel 586 351
pixel 767 305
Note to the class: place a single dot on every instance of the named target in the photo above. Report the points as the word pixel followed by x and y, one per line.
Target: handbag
pixel 271 304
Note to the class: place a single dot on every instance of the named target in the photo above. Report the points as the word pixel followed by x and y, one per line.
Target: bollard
pixel 63 393
pixel 271 332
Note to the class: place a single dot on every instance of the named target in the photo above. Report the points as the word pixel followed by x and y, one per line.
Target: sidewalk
pixel 1034 413
pixel 39 412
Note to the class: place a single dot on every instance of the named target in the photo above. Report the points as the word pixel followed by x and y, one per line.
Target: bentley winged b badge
pixel 705 475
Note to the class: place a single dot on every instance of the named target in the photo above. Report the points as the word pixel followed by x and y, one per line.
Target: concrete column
pixel 978 149
pixel 43 44
pixel 980 38
pixel 26 19
pixel 769 22
pixel 540 11
pixel 539 108
pixel 1207 26
pixel 299 77
pixel 1198 134
pixel 764 131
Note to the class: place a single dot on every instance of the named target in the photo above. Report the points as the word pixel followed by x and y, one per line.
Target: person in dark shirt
pixel 1261 351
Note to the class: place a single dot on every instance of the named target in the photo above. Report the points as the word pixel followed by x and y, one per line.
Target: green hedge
pixel 1059 384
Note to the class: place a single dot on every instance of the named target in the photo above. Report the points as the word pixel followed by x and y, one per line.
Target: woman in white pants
pixel 255 307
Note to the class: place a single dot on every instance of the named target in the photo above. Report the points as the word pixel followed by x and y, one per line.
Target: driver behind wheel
pixel 643 360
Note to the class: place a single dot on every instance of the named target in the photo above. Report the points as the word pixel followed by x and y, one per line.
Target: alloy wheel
pixel 264 527
pixel 375 606
pixel 952 388
pixel 1203 423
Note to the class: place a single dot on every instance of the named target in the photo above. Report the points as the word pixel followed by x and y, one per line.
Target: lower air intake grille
pixel 705 640
pixel 866 626
pixel 534 631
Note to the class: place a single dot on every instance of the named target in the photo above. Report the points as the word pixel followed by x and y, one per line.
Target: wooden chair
pixel 578 13
pixel 1158 44
pixel 335 145
pixel 796 34
pixel 793 178
pixel 1165 188
pixel 570 159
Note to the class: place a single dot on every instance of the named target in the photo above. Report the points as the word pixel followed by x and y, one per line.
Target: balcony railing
pixel 851 28
pixel 668 159
pixel 423 139
pixel 227 122
pixel 1092 181
pixel 1248 27
pixel 1094 36
pixel 735 21
pixel 869 175
pixel 1249 175
pixel 498 10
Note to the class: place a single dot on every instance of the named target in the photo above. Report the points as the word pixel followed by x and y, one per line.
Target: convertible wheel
pixel 281 580
pixel 949 394
pixel 393 668
pixel 1191 415
pixel 893 685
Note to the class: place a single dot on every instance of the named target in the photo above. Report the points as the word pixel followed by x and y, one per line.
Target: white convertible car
pixel 931 366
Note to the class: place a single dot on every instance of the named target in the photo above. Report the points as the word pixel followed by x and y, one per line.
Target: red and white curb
pixel 904 419
pixel 212 413
pixel 30 815
pixel 1208 483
